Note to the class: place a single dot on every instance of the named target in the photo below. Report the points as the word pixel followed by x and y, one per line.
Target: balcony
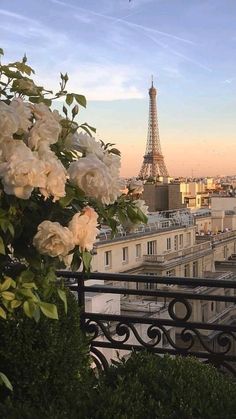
pixel 180 324
pixel 217 238
pixel 189 251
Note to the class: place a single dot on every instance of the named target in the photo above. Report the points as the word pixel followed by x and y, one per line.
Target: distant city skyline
pixel 110 49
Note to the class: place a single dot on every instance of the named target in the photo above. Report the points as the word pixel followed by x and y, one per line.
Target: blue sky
pixel 110 48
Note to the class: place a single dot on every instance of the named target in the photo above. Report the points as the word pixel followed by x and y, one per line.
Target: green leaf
pixel 36 314
pixel 132 214
pixel 11 229
pixel 26 292
pixel 27 275
pixel 4 223
pixel 115 151
pixel 51 275
pixel 88 126
pixel 142 216
pixel 47 102
pixel 3 313
pixel 7 295
pixel 76 261
pixel 64 110
pixel 86 130
pixel 62 296
pixel 28 308
pixel 49 310
pixel 4 380
pixel 113 224
pixel 70 195
pixel 122 216
pixel 34 99
pixel 69 98
pixel 1 51
pixel 2 212
pixel 15 303
pixel 6 284
pixel 2 247
pixel 86 258
pixel 30 285
pixel 81 100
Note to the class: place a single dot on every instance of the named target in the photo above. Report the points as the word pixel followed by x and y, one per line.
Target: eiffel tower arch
pixel 153 161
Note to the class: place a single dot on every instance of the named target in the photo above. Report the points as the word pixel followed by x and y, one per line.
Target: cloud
pixel 31 29
pixel 98 81
pixel 228 81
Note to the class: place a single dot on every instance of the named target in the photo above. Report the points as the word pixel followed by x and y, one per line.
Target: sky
pixel 110 49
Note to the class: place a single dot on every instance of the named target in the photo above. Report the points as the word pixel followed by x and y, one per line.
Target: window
pixel 186 270
pixel 138 251
pixel 151 247
pixel 181 240
pixel 212 306
pixel 204 313
pixel 149 285
pixel 124 254
pixel 168 243
pixel 176 242
pixel 195 269
pixel 225 252
pixel 188 239
pixel 227 293
pixel 107 261
pixel 171 272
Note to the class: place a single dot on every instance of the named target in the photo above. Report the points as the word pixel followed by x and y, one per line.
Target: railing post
pixel 81 301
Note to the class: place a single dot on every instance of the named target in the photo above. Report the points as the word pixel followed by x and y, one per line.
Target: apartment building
pixel 166 251
pixel 167 247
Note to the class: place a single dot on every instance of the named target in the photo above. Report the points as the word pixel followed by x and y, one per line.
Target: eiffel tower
pixel 153 161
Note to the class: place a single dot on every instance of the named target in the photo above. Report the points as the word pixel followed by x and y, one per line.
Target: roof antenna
pixel 152 79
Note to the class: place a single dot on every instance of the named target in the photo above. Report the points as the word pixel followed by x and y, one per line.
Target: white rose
pixel 9 121
pixel 53 239
pixel 84 143
pixel 56 174
pixel 45 130
pixel 84 228
pixel 57 116
pixel 112 161
pixel 141 204
pixel 21 175
pixel 14 149
pixel 41 111
pixel 93 177
pixel 55 181
pixel 24 113
pixel 136 186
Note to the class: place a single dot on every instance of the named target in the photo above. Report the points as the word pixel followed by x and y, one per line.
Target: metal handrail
pixel 210 340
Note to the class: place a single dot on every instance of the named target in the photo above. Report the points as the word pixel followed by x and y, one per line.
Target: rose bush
pixel 58 184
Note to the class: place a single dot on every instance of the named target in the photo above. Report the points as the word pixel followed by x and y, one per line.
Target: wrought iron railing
pixel 181 317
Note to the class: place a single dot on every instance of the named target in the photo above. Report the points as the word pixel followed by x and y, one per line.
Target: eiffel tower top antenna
pixel 153 161
pixel 152 80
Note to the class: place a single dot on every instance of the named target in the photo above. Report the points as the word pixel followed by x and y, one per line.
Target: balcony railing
pixel 217 238
pixel 178 253
pixel 174 328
